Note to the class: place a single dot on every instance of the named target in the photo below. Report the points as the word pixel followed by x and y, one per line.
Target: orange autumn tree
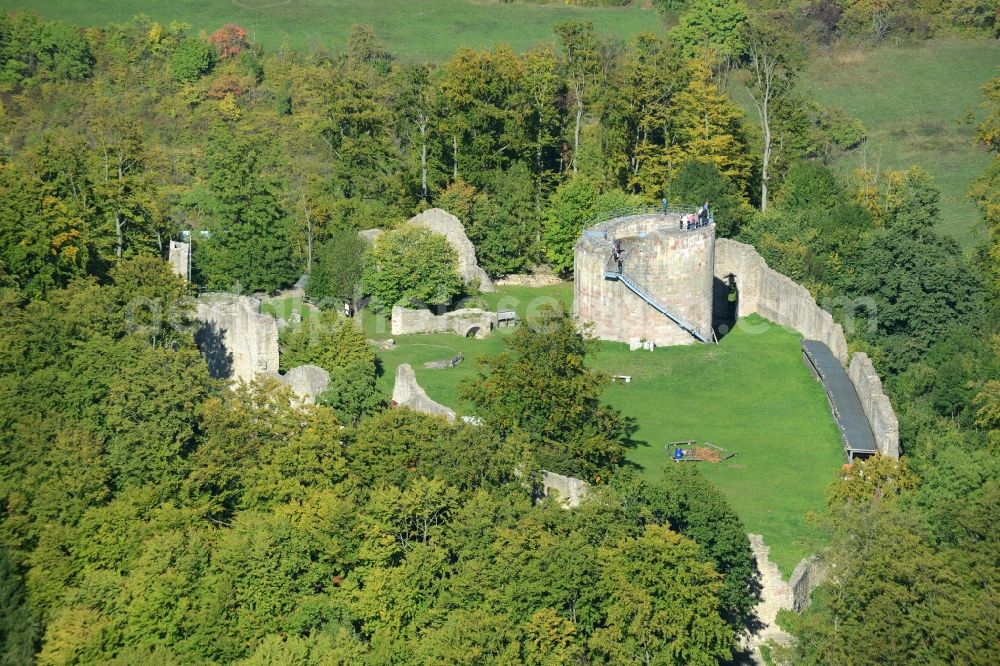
pixel 231 40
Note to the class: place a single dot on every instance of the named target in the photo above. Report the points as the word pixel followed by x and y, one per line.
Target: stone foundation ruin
pixel 468 322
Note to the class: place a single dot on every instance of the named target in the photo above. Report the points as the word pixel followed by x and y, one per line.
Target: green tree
pixel 690 505
pixel 662 606
pixel 918 281
pixel 125 194
pixel 985 191
pixel 192 60
pixel 636 129
pixel 40 236
pixel 249 243
pixel 569 209
pixel 581 64
pixel 336 274
pixel 712 27
pixel 32 50
pixel 357 127
pixel 329 341
pixel 698 181
pixel 411 265
pixel 18 627
pixel 773 62
pixel 708 127
pixel 503 224
pixel 354 392
pixel 885 563
pixel 542 387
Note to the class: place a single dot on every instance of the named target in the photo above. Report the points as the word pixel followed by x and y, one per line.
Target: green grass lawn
pixel 751 394
pixel 913 100
pixel 423 30
pixel 282 308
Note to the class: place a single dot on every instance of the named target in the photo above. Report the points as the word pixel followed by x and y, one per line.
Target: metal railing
pixel 628 212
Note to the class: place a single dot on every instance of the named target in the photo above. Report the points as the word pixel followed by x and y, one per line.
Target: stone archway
pixel 474 332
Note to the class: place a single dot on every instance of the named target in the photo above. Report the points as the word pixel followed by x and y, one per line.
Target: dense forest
pixel 152 515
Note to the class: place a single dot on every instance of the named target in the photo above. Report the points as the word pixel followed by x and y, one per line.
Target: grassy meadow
pixel 751 394
pixel 421 30
pixel 915 102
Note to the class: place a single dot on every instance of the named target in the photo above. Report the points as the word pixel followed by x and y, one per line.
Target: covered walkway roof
pixel 847 411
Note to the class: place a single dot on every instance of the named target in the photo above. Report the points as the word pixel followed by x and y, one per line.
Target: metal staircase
pixel 659 306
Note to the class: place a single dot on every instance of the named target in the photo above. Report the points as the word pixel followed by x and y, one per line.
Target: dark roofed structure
pixel 847 411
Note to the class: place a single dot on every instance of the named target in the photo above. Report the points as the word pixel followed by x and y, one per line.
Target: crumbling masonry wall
pixel 407 321
pixel 179 258
pixel 569 491
pixel 237 340
pixel 442 222
pixel 406 392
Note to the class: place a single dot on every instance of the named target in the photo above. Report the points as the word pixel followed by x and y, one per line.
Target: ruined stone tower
pixel 663 293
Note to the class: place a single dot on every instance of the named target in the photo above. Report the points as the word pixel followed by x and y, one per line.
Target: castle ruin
pixel 660 291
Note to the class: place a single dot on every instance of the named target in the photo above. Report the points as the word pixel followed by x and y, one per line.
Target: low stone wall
pixel 568 491
pixel 408 393
pixel 445 363
pixel 875 404
pixel 407 321
pixel 530 280
pixel 775 296
pixel 237 340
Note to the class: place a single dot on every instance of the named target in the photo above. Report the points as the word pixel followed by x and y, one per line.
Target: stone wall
pixel 179 258
pixel 407 321
pixel 408 393
pixel 875 404
pixel 777 593
pixel 808 574
pixel 775 296
pixel 307 381
pixel 238 342
pixel 444 223
pixel 566 489
pixel 529 280
pixel 674 266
